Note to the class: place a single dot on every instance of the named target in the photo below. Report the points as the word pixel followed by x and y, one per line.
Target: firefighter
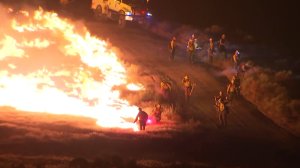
pixel 241 69
pixel 211 50
pixel 231 90
pixel 220 96
pixel 165 88
pixel 188 87
pixel 142 116
pixel 223 111
pixel 191 49
pixel 236 59
pixel 222 48
pixel 106 8
pixel 172 48
pixel 244 67
pixel 237 83
pixel 157 112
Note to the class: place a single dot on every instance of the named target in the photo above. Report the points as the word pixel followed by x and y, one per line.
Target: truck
pixel 123 11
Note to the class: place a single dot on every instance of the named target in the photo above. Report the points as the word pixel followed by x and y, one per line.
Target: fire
pixel 135 87
pixel 50 65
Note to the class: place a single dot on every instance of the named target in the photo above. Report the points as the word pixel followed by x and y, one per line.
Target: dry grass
pixel 105 161
pixel 262 87
pixel 266 90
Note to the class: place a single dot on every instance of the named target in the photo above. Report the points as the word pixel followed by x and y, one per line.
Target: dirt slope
pixel 251 140
pixel 245 121
pixel 149 51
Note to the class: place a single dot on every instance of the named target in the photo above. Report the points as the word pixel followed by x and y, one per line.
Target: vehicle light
pixel 149 14
pixel 129 18
pixel 128 13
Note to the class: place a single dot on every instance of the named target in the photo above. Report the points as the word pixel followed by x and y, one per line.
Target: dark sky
pixel 270 20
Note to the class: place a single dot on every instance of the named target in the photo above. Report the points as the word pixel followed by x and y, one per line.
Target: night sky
pixel 272 21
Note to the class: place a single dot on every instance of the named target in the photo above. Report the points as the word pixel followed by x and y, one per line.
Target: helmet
pixel 220 93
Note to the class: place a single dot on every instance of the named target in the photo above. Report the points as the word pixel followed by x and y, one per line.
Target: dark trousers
pixel 236 65
pixel 142 125
pixel 191 56
pixel 223 118
pixel 223 51
pixel 172 54
pixel 210 56
pixel 187 93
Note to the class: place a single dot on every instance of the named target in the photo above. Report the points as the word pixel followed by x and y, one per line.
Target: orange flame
pixel 52 68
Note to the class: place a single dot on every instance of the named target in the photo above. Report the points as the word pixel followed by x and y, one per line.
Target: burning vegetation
pixel 49 64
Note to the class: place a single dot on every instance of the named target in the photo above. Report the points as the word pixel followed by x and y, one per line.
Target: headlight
pixel 128 13
pixel 149 14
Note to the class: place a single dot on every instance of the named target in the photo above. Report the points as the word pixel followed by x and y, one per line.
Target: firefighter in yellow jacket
pixel 165 88
pixel 231 90
pixel 221 104
pixel 191 49
pixel 223 111
pixel 172 48
pixel 222 48
pixel 188 87
pixel 237 84
pixel 211 50
pixel 236 59
pixel 156 112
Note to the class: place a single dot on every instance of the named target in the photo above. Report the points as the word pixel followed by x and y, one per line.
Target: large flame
pixel 50 65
